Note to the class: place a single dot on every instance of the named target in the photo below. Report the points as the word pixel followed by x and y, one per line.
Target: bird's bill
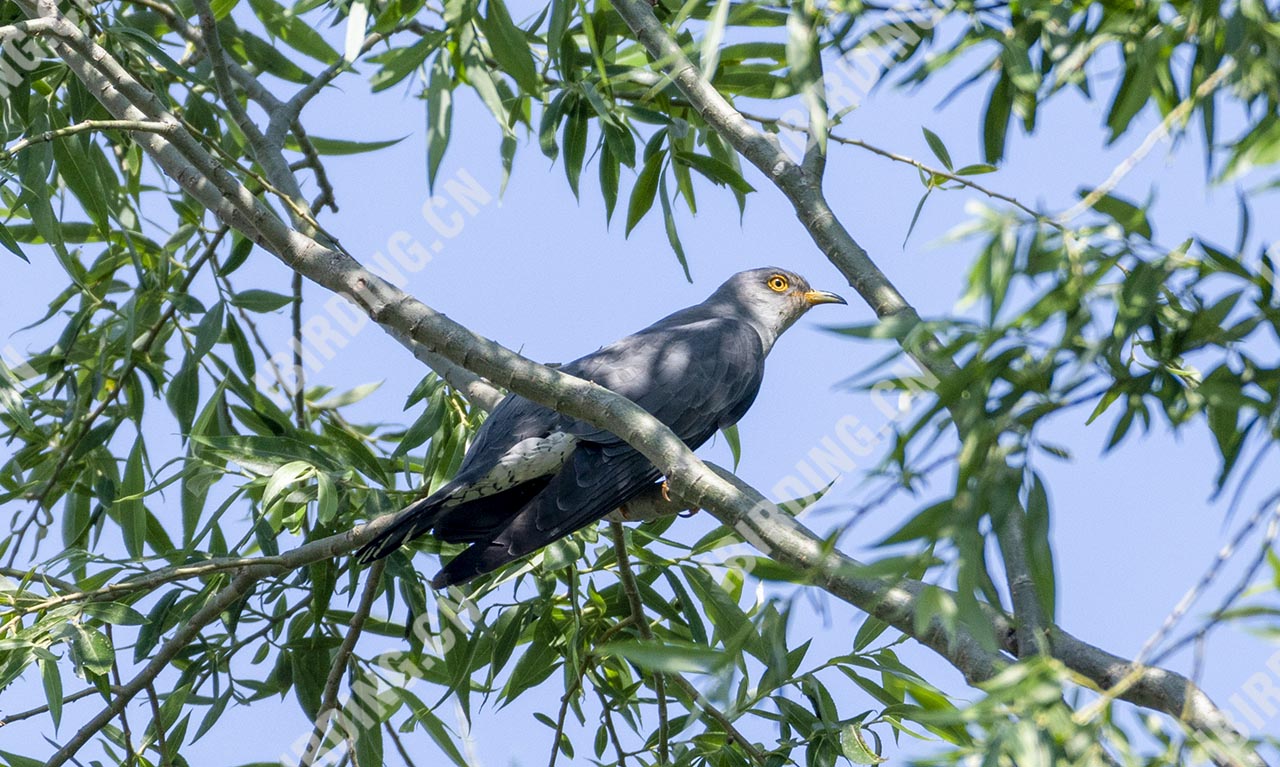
pixel 815 297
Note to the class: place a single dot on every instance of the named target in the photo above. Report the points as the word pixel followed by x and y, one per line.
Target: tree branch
pixel 628 579
pixel 333 683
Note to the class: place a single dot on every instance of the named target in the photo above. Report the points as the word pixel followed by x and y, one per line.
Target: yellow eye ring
pixel 777 283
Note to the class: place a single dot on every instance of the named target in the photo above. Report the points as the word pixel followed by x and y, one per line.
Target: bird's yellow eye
pixel 777 283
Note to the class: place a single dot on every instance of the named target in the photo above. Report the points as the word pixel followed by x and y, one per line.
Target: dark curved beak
pixel 815 297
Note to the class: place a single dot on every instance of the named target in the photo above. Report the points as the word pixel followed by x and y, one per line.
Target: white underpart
pixel 528 459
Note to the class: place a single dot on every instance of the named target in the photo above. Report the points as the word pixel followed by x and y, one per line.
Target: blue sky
pixel 539 271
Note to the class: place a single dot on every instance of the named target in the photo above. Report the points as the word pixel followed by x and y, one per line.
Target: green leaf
pixel 264 55
pixel 51 678
pixel 326 499
pixel 263 301
pixel 669 222
pixel 434 727
pixel 427 424
pixel 10 244
pixel 854 746
pixel 916 216
pixel 995 122
pixel 115 613
pixel 283 478
pixel 294 31
pixel 349 397
pixel 645 188
pixel 510 47
pixel 574 139
pixel 15 760
pixel 241 246
pixel 734 440
pixel 1135 87
pixel 183 394
pixel 339 147
pixel 1039 548
pixel 797 505
pixel 208 331
pixel 610 175
pixel 399 63
pixel 130 511
pixel 368 734
pixel 939 149
pixel 718 172
pixel 669 655
pixel 91 651
pixel 71 154
pixel 151 631
pixel 1129 216
pixel 439 115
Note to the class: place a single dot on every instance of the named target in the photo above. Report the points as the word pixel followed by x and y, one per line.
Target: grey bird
pixel 533 476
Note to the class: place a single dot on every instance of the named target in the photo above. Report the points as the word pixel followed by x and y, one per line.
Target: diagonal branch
pixel 332 684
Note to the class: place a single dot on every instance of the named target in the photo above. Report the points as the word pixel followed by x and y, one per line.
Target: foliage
pixel 1085 313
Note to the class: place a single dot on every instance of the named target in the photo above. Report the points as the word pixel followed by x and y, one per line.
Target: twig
pixel 131 756
pixel 329 701
pixel 637 610
pixel 222 74
pixel 158 725
pixel 399 744
pixel 628 579
pixel 1029 617
pixel 312 160
pixel 145 126
pixel 1157 134
pixel 186 632
pixel 1268 540
pixel 38 710
pixel 1269 508
pixel 287 114
pixel 299 385
pixel 929 169
pixel 256 336
pixel 609 727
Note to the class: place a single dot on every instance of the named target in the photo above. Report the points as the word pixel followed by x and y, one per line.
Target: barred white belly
pixel 528 459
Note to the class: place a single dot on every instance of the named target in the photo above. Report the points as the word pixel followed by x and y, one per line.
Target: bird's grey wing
pixel 695 378
pixel 594 481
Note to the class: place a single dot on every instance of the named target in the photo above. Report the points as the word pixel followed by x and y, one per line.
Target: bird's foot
pixel 666 491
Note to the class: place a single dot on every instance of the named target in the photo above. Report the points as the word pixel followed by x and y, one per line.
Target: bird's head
pixel 772 299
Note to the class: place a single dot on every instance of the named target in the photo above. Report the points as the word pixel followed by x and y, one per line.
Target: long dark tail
pixel 415 521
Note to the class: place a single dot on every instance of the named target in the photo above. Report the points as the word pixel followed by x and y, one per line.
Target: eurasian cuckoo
pixel 533 476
